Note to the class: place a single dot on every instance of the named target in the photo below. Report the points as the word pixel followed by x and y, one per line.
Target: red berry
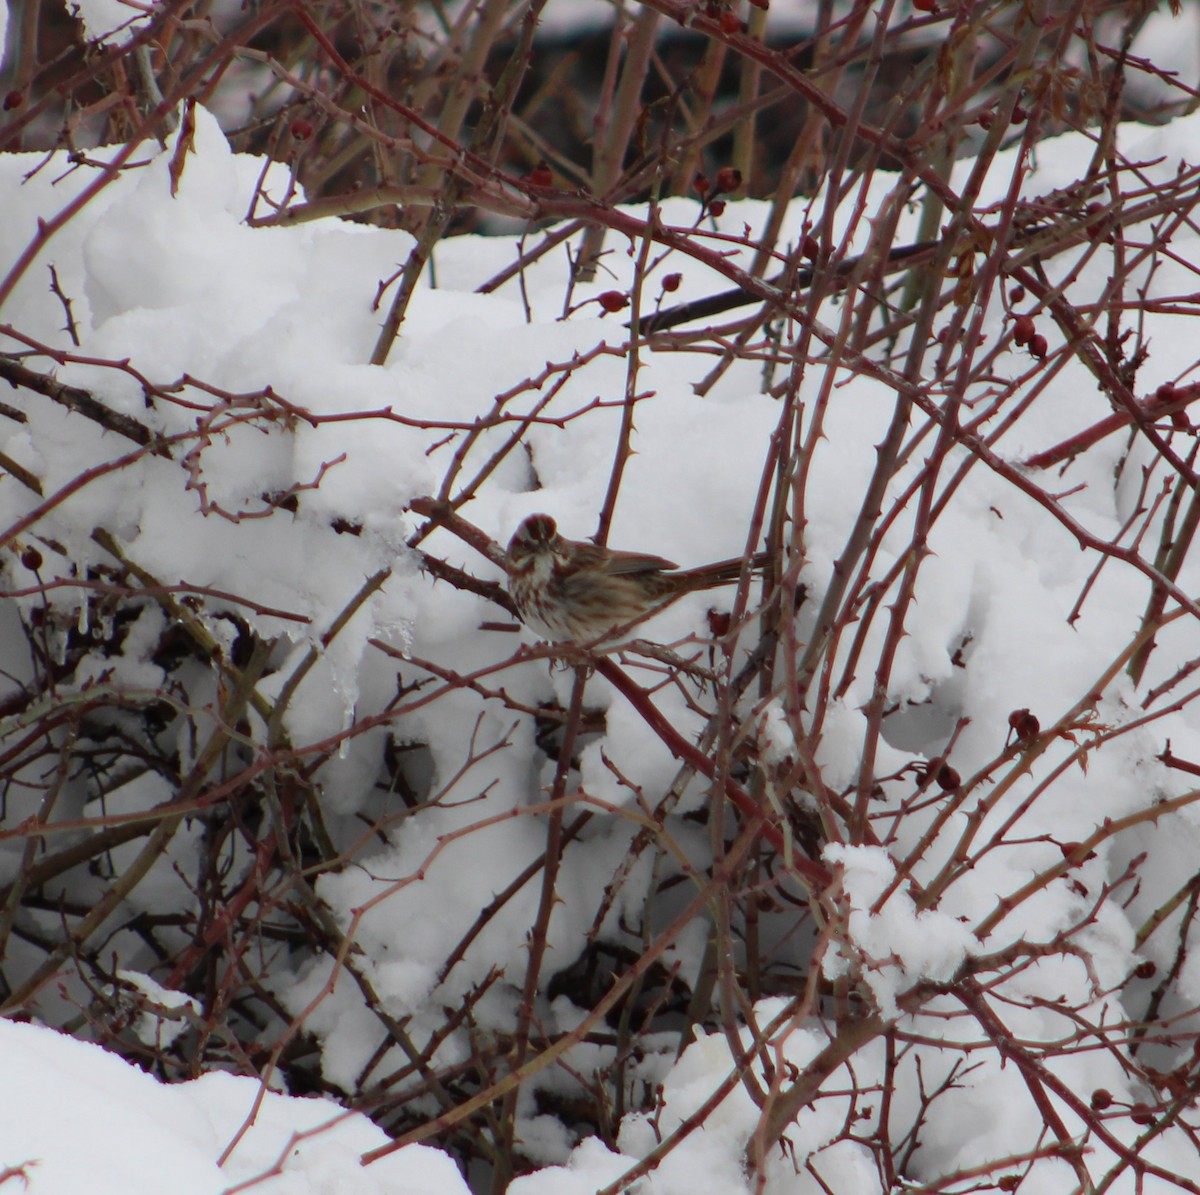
pixel 717 206
pixel 14 99
pixel 730 23
pixel 925 5
pixel 810 247
pixel 302 129
pixel 700 184
pixel 1023 329
pixel 671 282
pixel 613 300
pixel 719 623
pixel 31 558
pixel 540 176
pixel 1024 724
pixel 1038 346
pixel 729 178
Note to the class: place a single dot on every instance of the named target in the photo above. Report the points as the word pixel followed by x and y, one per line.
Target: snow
pixel 181 285
pixel 74 1117
pixel 102 18
pixel 897 945
pixel 167 1013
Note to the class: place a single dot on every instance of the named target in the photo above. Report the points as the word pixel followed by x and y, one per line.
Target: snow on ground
pixel 181 285
pixel 76 1118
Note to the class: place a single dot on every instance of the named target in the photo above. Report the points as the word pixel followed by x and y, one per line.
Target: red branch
pixel 690 754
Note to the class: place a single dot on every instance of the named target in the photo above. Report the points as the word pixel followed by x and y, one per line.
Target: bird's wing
pixel 635 562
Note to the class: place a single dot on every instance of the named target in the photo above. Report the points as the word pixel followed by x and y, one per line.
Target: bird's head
pixel 536 535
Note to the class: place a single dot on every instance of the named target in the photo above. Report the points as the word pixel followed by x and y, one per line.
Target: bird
pixel 571 590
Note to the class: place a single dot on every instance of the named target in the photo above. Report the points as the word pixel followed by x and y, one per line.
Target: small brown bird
pixel 566 589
